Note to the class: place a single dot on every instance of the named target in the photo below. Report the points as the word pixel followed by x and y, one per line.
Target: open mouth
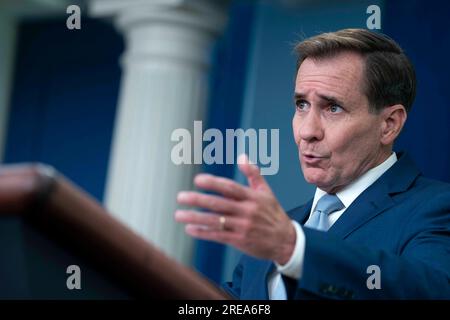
pixel 312 159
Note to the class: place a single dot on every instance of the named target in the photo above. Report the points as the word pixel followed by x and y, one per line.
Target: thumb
pixel 251 171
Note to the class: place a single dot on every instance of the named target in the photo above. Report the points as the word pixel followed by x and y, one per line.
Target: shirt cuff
pixel 294 267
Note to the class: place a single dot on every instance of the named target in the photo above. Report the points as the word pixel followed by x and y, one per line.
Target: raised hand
pixel 248 218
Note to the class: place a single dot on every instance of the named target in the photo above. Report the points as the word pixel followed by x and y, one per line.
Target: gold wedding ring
pixel 222 223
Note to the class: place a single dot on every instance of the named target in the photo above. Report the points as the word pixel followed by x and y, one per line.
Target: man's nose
pixel 310 128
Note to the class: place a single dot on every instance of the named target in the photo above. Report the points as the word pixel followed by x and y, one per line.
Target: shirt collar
pixel 354 189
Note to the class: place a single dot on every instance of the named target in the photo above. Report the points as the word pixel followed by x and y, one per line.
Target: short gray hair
pixel 389 75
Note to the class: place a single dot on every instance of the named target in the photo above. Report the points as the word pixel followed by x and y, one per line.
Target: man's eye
pixel 334 108
pixel 301 105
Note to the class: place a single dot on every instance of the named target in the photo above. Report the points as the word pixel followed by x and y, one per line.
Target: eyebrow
pixel 321 96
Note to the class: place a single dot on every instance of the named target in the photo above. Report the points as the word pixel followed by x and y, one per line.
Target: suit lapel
pixel 377 198
pixel 266 269
pixel 301 214
pixel 368 205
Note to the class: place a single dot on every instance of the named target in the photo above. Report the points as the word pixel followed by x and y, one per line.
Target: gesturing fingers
pixel 224 186
pixel 248 218
pixel 210 202
pixel 208 221
pixel 223 236
pixel 254 177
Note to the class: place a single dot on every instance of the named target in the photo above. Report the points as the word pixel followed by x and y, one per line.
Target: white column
pixel 164 87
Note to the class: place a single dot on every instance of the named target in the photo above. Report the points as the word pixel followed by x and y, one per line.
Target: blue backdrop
pixel 421 28
pixel 64 99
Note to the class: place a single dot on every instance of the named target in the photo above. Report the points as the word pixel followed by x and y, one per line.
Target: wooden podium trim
pixel 53 204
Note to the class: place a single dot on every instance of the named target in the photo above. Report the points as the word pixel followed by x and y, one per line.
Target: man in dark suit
pixel 376 228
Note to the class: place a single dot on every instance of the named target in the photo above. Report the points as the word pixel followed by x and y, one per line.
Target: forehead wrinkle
pixel 320 89
pixel 336 82
pixel 348 78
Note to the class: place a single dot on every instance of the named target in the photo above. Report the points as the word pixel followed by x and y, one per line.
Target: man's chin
pixel 315 178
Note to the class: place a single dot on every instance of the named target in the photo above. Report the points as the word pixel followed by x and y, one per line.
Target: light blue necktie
pixel 326 205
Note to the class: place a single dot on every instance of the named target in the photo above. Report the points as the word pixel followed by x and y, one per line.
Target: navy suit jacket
pixel 401 223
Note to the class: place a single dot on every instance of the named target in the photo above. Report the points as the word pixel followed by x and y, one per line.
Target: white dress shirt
pixel 293 268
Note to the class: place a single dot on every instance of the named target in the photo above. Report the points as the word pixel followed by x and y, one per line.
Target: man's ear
pixel 393 118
